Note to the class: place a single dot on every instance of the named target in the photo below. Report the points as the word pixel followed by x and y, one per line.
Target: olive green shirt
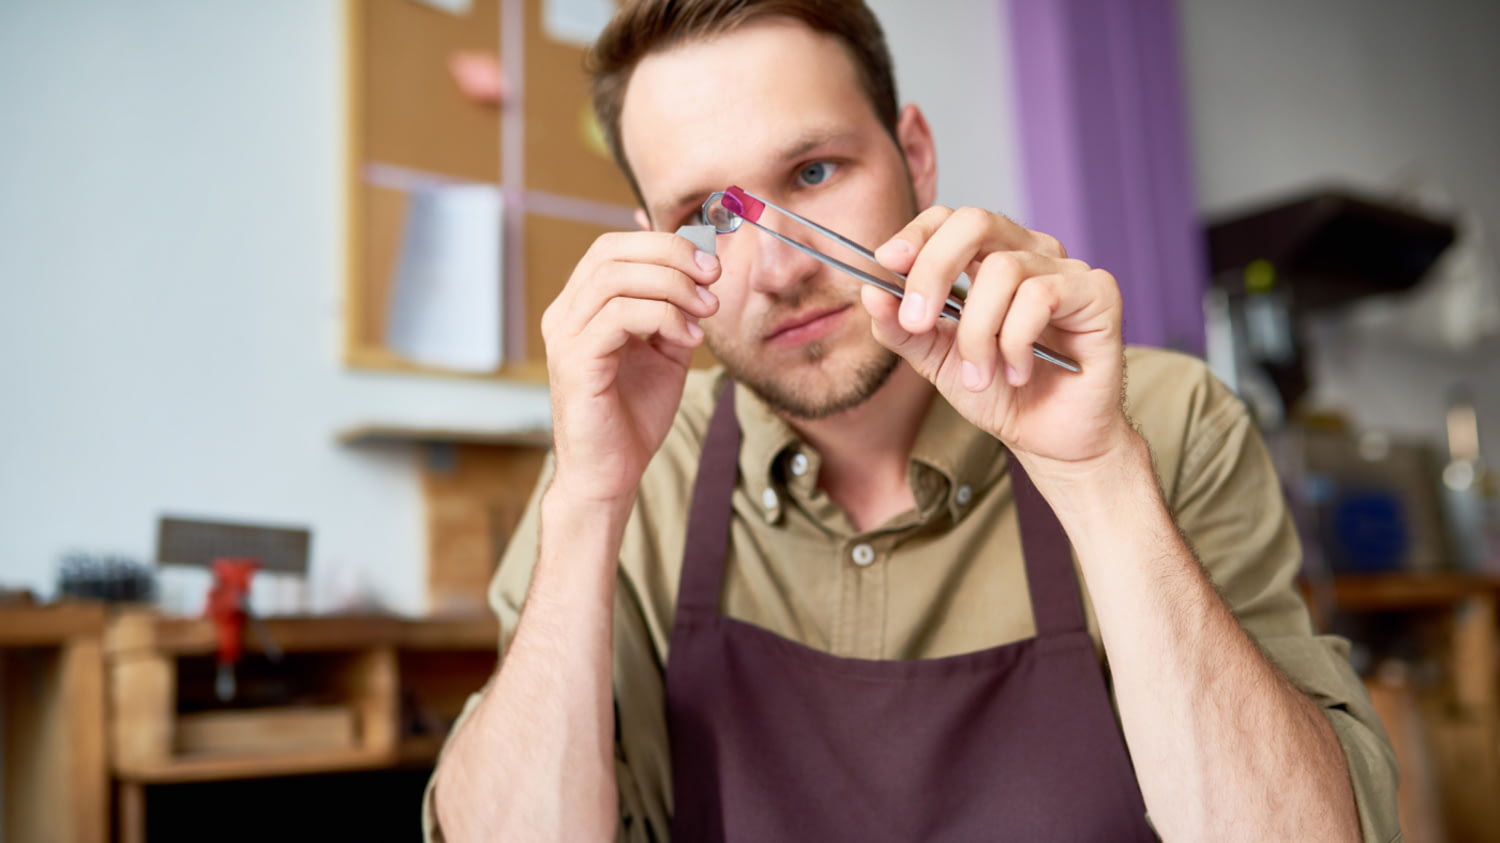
pixel 947 577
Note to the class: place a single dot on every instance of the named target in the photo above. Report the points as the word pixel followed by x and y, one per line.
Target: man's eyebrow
pixel 810 140
pixel 794 149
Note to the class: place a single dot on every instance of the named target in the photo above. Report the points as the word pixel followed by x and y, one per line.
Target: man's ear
pixel 644 221
pixel 915 138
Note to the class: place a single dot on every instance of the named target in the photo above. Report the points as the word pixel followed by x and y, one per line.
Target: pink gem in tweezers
pixel 740 203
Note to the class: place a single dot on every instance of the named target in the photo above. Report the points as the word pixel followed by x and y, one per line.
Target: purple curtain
pixel 1106 153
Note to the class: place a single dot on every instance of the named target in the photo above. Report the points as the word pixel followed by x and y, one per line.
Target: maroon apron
pixel 775 741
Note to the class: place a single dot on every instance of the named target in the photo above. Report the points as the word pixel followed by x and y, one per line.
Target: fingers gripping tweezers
pixel 726 209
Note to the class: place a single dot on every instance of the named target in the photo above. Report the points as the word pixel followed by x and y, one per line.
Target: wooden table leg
pixel 56 778
pixel 132 812
pixel 1472 809
pixel 82 672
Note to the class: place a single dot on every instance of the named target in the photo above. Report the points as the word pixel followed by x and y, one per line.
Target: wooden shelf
pixel 1402 592
pixel 51 625
pixel 180 636
pixel 219 768
pixel 525 372
pixel 374 433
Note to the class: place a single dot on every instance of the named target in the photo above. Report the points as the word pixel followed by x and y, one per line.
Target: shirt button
pixel 799 464
pixel 965 494
pixel 769 498
pixel 863 555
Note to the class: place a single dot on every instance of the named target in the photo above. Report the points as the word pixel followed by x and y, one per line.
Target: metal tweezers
pixel 725 210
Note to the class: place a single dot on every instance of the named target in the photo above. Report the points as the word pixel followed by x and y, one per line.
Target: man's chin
pixel 818 388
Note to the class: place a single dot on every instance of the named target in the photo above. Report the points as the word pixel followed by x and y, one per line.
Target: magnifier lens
pixel 721 218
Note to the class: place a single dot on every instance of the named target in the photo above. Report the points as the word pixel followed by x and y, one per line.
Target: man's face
pixel 778 110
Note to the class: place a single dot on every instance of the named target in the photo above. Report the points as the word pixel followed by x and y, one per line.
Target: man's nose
pixel 775 266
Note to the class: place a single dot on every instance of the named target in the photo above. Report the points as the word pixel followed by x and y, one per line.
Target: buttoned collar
pixel 771 454
pixel 765 439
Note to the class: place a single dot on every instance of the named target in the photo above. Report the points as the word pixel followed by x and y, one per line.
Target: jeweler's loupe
pixel 714 213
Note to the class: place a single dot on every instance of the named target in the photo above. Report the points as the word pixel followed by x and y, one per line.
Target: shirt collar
pixel 765 437
pixel 968 458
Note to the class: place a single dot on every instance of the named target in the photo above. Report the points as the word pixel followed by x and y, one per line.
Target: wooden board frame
pixel 540 147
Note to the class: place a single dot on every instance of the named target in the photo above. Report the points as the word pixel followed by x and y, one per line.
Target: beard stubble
pixel 824 386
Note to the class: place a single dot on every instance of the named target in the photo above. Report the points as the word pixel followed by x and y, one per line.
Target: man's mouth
pixel 806 327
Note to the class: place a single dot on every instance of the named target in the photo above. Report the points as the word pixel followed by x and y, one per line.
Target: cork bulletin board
pixel 409 125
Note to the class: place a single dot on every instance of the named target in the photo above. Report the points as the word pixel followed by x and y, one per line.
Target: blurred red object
pixel 229 608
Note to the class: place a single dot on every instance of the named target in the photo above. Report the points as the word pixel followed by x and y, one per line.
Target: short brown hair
pixel 643 27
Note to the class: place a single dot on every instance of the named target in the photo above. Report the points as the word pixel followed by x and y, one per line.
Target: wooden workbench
pixel 93 704
pixel 367 667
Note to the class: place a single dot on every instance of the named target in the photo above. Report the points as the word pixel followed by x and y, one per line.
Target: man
pixel 835 601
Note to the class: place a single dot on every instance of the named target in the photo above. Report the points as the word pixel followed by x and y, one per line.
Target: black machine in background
pixel 1275 264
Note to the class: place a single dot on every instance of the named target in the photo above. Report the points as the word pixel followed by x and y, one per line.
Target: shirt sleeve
pixel 507 594
pixel 1229 503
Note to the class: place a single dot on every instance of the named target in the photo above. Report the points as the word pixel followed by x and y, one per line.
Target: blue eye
pixel 816 172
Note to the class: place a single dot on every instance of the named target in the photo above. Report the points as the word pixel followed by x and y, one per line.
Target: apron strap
pixel 707 546
pixel 1056 599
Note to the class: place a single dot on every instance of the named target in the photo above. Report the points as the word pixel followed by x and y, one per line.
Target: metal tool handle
pixel 851 245
pixel 952 308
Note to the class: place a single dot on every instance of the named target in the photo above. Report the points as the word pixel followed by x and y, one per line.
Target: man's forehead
pixel 769 62
pixel 762 93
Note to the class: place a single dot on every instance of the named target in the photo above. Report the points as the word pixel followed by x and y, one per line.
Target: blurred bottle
pixel 1471 491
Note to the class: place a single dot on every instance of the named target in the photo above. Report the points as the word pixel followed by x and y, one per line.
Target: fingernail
pixel 1012 376
pixel 706 294
pixel 913 308
pixel 694 331
pixel 895 249
pixel 705 261
pixel 971 377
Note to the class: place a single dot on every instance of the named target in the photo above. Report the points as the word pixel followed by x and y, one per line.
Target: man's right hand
pixel 619 341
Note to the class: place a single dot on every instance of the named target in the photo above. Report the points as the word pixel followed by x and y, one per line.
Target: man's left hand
pixel 1025 289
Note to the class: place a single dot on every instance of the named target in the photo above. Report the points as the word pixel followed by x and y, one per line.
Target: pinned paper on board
pixel 576 21
pixel 446 306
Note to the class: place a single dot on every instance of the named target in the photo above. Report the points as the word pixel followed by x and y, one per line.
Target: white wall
pixel 1286 93
pixel 950 60
pixel 170 241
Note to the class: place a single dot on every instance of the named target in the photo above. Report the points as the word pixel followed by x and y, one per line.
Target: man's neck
pixel 866 449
